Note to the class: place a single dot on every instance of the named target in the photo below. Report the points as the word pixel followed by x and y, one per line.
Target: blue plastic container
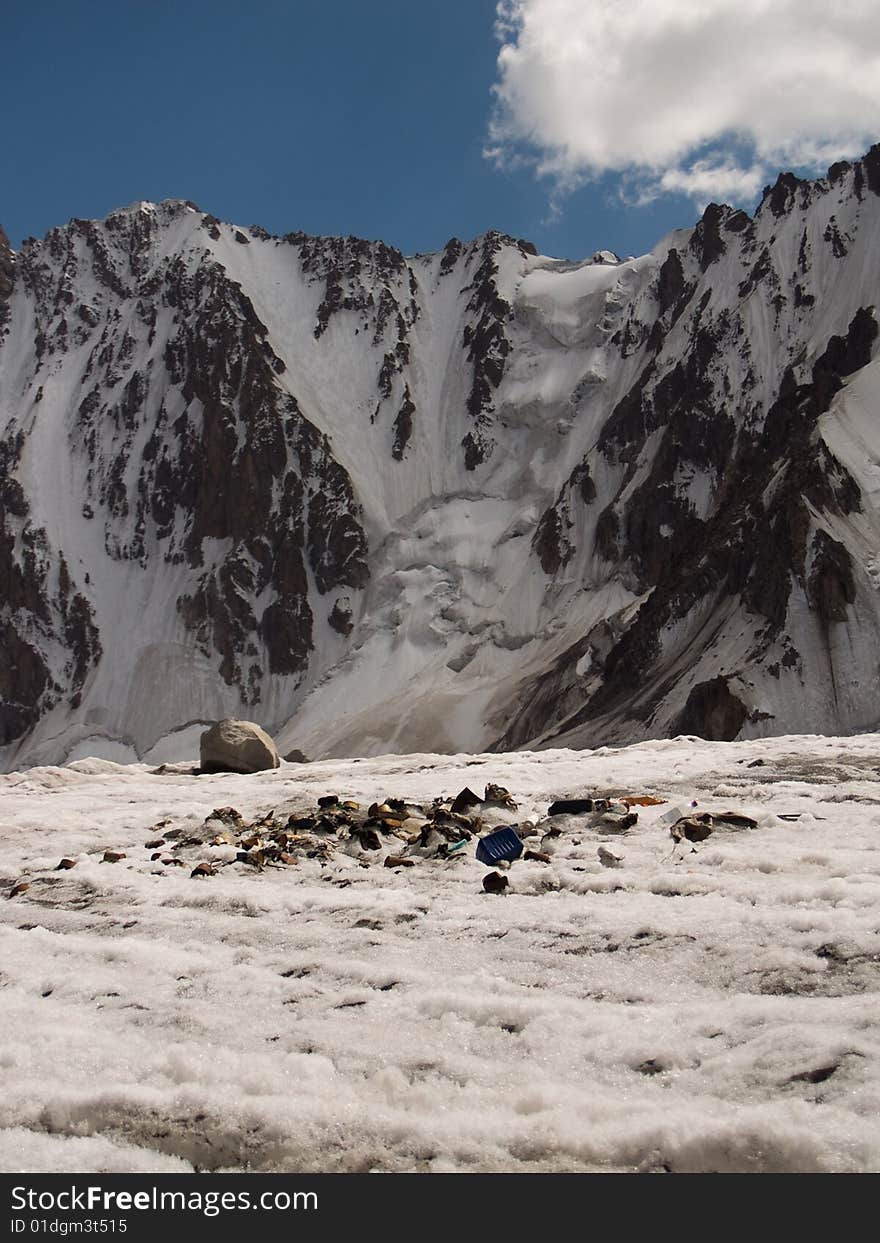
pixel 502 844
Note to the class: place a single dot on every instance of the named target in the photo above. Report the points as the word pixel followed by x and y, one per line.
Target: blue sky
pixel 373 118
pixel 334 117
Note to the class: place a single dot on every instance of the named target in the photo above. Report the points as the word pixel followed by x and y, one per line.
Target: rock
pixel 608 858
pixel 398 861
pixel 296 757
pixel 113 856
pixel 154 843
pixel 237 747
pixel 494 882
pixel 22 887
pixel 203 869
pixel 538 856
pixel 65 865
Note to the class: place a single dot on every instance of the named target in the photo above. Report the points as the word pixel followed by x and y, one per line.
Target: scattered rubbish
pixel 550 839
pixel 608 858
pixel 692 828
pixel 789 815
pixel 696 828
pixel 65 865
pixel 502 844
pixel 734 819
pixel 494 882
pixel 617 819
pixel 670 817
pixel 642 800
pixel 113 856
pixel 570 807
pixel 499 796
pixel 466 799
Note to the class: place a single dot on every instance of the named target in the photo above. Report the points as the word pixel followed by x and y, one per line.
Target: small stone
pixel 398 861
pixel 608 858
pixel 154 843
pixel 156 855
pixel 287 858
pixel 537 856
pixel 65 865
pixel 328 800
pixel 203 869
pixel 494 882
pixel 113 856
pixel 22 887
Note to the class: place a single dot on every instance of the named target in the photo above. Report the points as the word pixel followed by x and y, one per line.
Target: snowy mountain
pixel 480 499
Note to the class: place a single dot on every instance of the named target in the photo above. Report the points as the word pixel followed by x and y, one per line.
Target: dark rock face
pixel 195 459
pixel 403 425
pixel 486 343
pixel 713 712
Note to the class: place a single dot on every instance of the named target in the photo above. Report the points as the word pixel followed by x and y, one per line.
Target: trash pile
pixel 394 831
pixel 399 833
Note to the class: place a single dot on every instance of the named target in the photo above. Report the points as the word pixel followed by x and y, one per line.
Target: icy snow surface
pixel 713 1009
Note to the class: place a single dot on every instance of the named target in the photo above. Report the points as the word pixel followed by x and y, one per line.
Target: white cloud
pixel 704 97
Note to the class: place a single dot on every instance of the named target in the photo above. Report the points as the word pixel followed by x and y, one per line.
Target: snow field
pixel 713 1010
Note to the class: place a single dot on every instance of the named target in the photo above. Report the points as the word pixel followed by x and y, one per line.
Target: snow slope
pixel 685 1011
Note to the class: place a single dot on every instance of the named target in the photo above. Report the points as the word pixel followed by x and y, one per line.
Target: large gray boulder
pixel 237 747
